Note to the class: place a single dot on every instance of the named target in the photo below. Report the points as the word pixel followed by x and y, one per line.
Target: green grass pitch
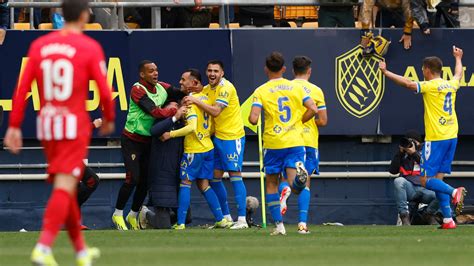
pixel 349 245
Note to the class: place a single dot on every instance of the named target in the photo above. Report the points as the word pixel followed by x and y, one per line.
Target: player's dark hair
pixel 275 61
pixel 72 9
pixel 141 66
pixel 216 62
pixel 434 64
pixel 301 64
pixel 194 73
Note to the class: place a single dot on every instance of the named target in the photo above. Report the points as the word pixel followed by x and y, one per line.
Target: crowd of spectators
pixel 344 13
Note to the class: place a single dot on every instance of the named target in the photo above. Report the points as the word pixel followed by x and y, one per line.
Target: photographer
pixel 407 186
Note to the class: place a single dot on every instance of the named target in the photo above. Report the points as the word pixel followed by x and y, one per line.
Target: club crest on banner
pixel 359 83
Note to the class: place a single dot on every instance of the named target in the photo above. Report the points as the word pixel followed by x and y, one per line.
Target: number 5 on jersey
pixel 284 109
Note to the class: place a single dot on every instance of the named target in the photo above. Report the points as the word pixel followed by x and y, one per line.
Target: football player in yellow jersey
pixel 441 129
pixel 281 101
pixel 198 158
pixel 302 73
pixel 229 139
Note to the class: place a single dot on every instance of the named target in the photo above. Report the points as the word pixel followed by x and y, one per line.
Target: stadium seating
pixel 93 26
pixel 234 25
pixel 310 25
pixel 132 25
pixel 21 26
pixel 292 24
pixel 45 26
pixel 214 26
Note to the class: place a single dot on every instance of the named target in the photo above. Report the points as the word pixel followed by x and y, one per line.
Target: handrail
pixel 246 164
pixel 253 175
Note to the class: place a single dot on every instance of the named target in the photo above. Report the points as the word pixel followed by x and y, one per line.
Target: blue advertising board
pixel 359 99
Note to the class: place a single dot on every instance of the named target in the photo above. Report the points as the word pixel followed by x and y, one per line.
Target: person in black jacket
pixel 406 163
pixel 256 16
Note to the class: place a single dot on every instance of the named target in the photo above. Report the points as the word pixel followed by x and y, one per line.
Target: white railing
pixel 118 7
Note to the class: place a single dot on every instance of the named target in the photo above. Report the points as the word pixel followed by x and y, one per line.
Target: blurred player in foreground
pixel 63 62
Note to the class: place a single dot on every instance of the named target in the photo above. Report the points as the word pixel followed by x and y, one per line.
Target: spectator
pixel 4 19
pixel 336 15
pixel 429 13
pixel 407 186
pixel 392 13
pixel 256 16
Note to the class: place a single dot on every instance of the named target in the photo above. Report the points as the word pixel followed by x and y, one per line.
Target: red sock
pixel 73 225
pixel 54 216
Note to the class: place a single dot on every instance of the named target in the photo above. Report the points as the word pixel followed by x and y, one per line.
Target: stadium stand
pixel 21 26
pixel 45 26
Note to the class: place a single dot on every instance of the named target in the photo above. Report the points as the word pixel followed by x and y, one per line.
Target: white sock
pixel 82 253
pixel 280 226
pixel 133 214
pixel 447 220
pixel 454 192
pixel 118 212
pixel 43 248
pixel 242 219
pixel 228 217
pixel 301 223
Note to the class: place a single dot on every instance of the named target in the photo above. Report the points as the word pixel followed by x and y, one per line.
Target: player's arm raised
pixel 400 80
pixel 458 71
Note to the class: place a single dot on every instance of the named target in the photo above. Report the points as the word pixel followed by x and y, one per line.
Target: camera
pixel 407 142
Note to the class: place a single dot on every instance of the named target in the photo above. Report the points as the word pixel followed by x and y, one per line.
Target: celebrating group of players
pixel 63 62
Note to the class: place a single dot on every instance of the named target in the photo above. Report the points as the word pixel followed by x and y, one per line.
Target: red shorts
pixel 66 156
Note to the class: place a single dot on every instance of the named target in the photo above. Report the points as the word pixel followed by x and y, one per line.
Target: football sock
pixel 184 199
pixel 221 193
pixel 73 225
pixel 303 204
pixel 282 185
pixel 438 185
pixel 240 194
pixel 118 212
pixel 124 193
pixel 297 185
pixel 213 203
pixel 139 197
pixel 273 201
pixel 54 216
pixel 447 220
pixel 86 187
pixel 133 214
pixel 444 204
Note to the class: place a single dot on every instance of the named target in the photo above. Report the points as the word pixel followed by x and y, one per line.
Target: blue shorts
pixel 437 156
pixel 197 166
pixel 312 160
pixel 229 154
pixel 276 161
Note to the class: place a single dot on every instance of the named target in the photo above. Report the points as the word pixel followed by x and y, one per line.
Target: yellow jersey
pixel 228 125
pixel 281 101
pixel 310 129
pixel 199 141
pixel 439 100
